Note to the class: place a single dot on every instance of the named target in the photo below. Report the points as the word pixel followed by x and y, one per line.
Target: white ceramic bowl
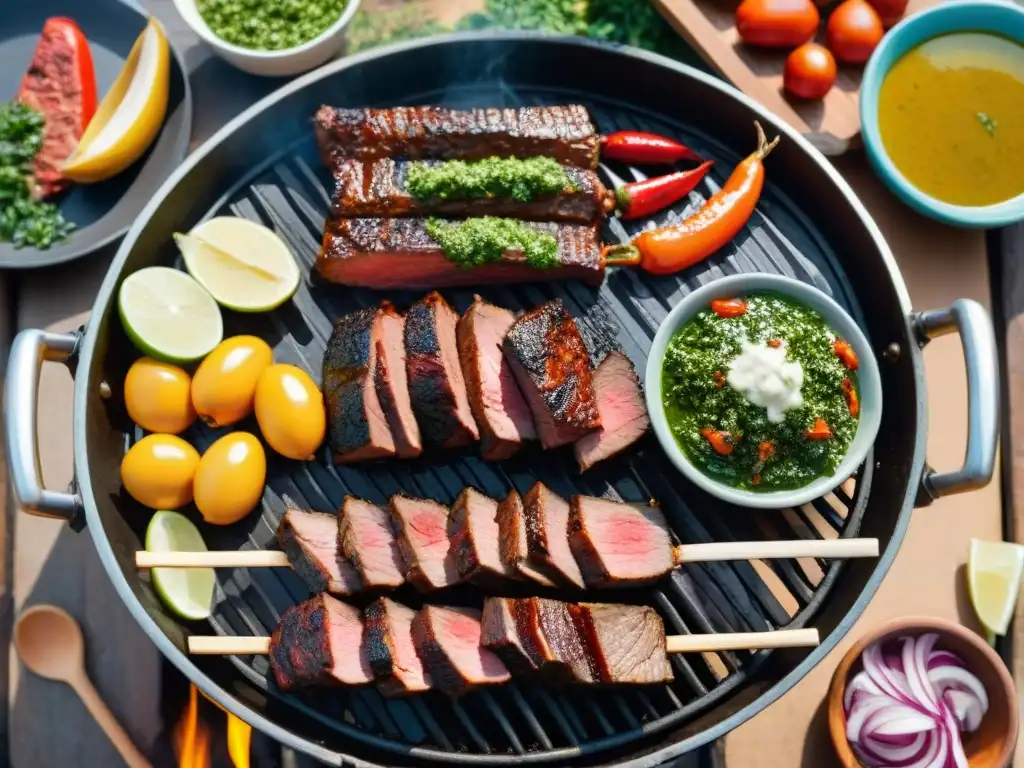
pixel 836 318
pixel 283 63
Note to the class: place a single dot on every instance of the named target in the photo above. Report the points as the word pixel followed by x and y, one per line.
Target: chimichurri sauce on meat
pixel 721 360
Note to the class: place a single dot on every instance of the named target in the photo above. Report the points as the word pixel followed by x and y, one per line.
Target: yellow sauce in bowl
pixel 951 118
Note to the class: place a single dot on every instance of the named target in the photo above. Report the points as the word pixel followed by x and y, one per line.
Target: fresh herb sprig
pixel 24 220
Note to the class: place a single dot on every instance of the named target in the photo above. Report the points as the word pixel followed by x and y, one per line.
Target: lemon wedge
pixel 244 265
pixel 994 571
pixel 130 116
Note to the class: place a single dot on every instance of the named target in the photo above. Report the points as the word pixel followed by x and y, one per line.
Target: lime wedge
pixel 243 264
pixel 168 315
pixel 994 571
pixel 188 592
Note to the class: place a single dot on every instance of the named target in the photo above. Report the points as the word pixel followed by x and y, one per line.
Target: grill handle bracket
pixel 32 348
pixel 974 325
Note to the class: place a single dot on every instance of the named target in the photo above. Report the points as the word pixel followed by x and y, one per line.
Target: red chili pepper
pixel 852 398
pixel 670 249
pixel 844 351
pixel 644 148
pixel 719 379
pixel 765 450
pixel 820 430
pixel 774 343
pixel 642 198
pixel 729 307
pixel 723 442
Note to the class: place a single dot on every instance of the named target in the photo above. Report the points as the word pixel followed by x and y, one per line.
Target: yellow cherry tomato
pixel 229 478
pixel 224 386
pixel 290 411
pixel 158 471
pixel 158 396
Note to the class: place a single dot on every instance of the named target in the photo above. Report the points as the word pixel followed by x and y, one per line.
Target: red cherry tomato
pixel 777 23
pixel 854 29
pixel 810 71
pixel 890 11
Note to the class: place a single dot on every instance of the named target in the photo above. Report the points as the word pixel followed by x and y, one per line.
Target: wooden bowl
pixel 991 746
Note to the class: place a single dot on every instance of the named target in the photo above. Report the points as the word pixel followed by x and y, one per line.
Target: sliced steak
pixel 379 188
pixel 386 253
pixel 625 643
pixel 564 133
pixel 356 422
pixel 473 532
pixel 552 366
pixel 550 639
pixel 500 634
pixel 367 540
pixel 498 405
pixel 310 540
pixel 437 389
pixel 546 518
pixel 422 529
pixel 619 545
pixel 513 541
pixel 448 642
pixel 621 408
pixel 319 643
pixel 392 382
pixel 387 638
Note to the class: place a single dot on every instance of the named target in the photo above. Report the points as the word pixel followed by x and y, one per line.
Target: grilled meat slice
pixel 498 405
pixel 624 643
pixel 398 253
pixel 500 634
pixel 564 133
pixel 437 389
pixel 392 382
pixel 621 408
pixel 422 528
pixel 513 542
pixel 619 545
pixel 448 642
pixel 387 638
pixel 550 639
pixel 552 366
pixel 318 643
pixel 357 424
pixel 310 540
pixel 546 517
pixel 367 540
pixel 473 532
pixel 378 188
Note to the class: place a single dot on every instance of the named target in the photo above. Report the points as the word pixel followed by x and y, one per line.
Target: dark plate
pixel 104 211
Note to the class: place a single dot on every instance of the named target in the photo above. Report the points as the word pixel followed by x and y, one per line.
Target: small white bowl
pixel 835 317
pixel 283 63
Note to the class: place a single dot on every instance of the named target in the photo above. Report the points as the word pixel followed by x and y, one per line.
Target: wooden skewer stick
pixel 686 553
pixel 217 645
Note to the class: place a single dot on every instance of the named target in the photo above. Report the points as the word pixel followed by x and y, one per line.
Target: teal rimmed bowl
pixel 1000 18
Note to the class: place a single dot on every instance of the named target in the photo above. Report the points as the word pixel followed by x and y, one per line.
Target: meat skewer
pixel 827 549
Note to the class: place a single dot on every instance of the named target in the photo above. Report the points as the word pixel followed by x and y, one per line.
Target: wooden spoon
pixel 50 643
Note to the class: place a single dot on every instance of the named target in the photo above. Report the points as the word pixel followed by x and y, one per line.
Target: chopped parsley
pixel 485 239
pixel 521 180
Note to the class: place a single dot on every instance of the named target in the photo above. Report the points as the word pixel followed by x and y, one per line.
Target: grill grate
pixel 290 193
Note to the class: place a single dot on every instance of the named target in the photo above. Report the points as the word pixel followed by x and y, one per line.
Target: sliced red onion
pixel 908 710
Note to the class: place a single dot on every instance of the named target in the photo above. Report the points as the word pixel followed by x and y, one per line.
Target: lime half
pixel 993 580
pixel 188 592
pixel 243 264
pixel 168 315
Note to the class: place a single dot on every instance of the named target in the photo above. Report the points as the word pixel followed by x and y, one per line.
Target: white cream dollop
pixel 764 376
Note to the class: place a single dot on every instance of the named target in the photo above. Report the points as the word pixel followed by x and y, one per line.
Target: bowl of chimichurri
pixel 763 390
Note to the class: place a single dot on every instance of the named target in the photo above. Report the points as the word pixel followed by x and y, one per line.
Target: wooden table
pixel 52 564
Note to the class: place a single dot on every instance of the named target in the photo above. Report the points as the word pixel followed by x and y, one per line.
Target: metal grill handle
pixel 29 351
pixel 974 325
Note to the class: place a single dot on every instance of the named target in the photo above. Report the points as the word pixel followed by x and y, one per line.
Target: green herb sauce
pixel 521 180
pixel 483 239
pixel 269 25
pixel 706 345
pixel 23 219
